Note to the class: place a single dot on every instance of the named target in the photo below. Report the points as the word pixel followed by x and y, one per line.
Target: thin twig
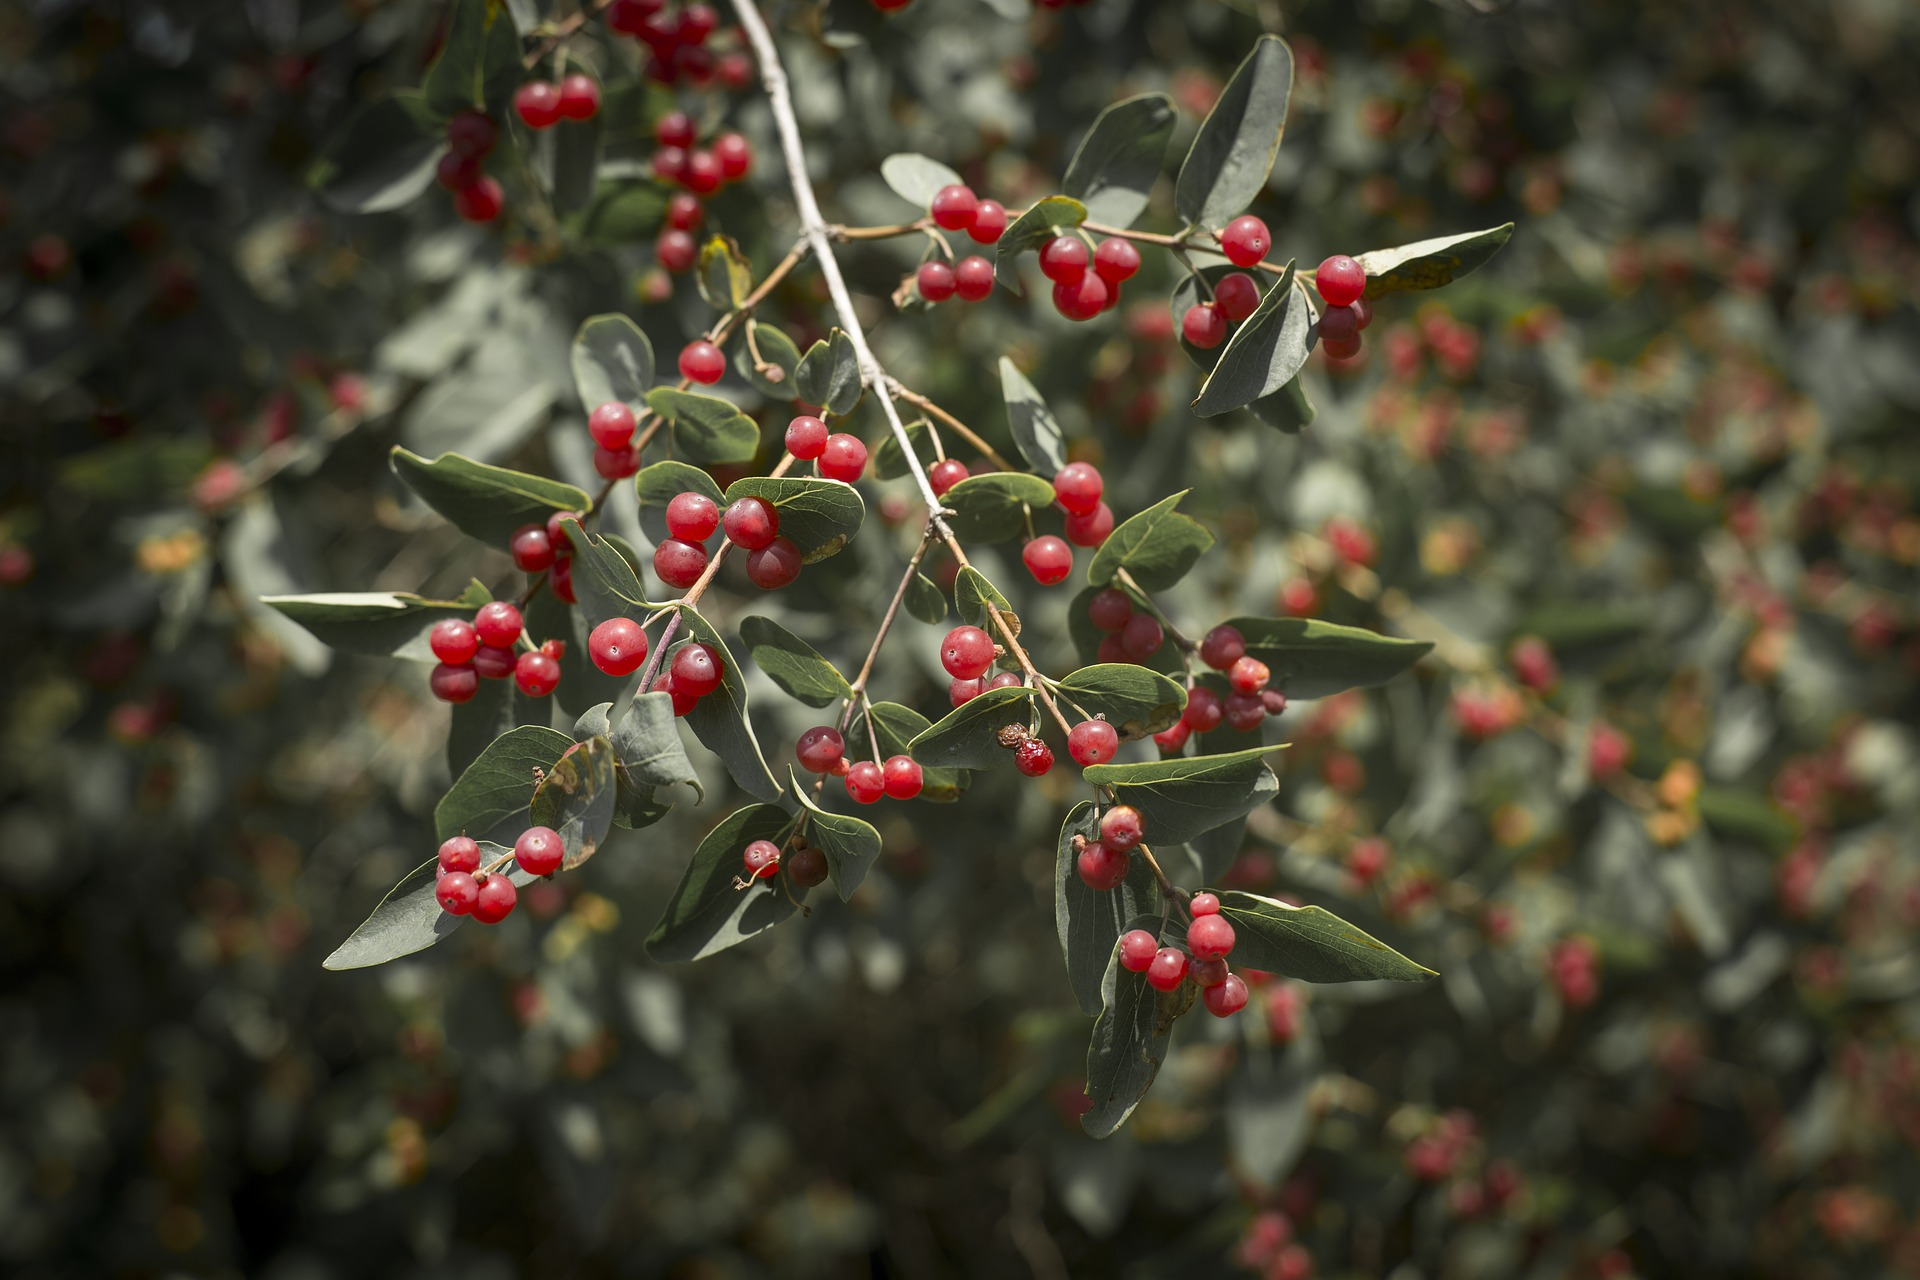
pixel 560 34
pixel 954 424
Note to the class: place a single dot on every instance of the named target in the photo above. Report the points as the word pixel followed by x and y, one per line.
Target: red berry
pixel 1362 312
pixel 1101 867
pixel 1137 949
pixel 904 777
pixel 866 782
pixel 1006 680
pixel 490 663
pixel 1207 973
pixel 457 891
pixel 696 670
pixel 1111 650
pixel 453 641
pixel 1033 757
pixel 762 859
pixel 1245 240
pixel 1368 858
pixel 454 683
pixel 538 104
pixel 1229 998
pixel 806 437
pixel 1168 969
pixel 557 533
pixel 806 867
pixel 670 164
pixel 1335 350
pixel 1237 296
pixel 1533 663
pixel 555 649
pixel 734 155
pixel 1204 710
pixel 618 646
pixel 611 425
pixel 692 517
pixel 498 624
pixel 1063 259
pixel 1340 280
pixel 674 129
pixel 946 474
pixel 702 174
pixel 751 523
pixel 459 853
pixel 532 549
pixel 1204 326
pixel 1116 260
pixel 1093 742
pixel 1142 637
pixel 1209 937
pixel 616 464
pixel 1077 488
pixel 480 202
pixel 539 851
pixel 1248 675
pixel 685 212
pixel 675 250
pixel 496 899
pixel 697 22
pixel 1222 647
pixel 1121 828
pixel 1090 530
pixel 843 458
pixel 989 220
pixel 1084 298
pixel 682 702
pixel 963 691
pixel 456 172
pixel 1273 702
pixel 701 361
pixel 736 72
pixel 966 653
pixel 935 281
pixel 1203 904
pixel 775 565
pixel 954 208
pixel 579 97
pixel 1111 607
pixel 819 747
pixel 1339 325
pixel 1048 558
pixel 678 563
pixel 973 278
pixel 472 134
pixel 1172 741
pixel 1245 712
pixel 536 674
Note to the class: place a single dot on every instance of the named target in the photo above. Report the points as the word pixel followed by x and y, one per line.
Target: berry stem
pixel 952 423
pixel 888 232
pixel 659 652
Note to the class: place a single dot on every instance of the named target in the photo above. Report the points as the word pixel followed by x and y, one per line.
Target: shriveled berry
pixel 1340 280
pixel 1203 904
pixel 1121 827
pixel 966 653
pixel 701 362
pixel 679 563
pixel 935 281
pixel 1083 298
pixel 459 853
pixel 1273 702
pixel 751 522
pixel 989 220
pixel 1204 325
pixel 1063 259
pixel 692 517
pixel 532 549
pixel 1110 608
pixel 964 691
pixel 538 104
pixel 1237 295
pixel 611 425
pixel 682 702
pixel 1142 637
pixel 903 776
pixel 555 649
pixel 775 565
pixel 1077 488
pixel 1245 712
pixel 498 623
pixel 1209 937
pixel 618 646
pixel 819 747
pixel 1091 529
pixel 1116 260
pixel 806 867
pixel 453 641
pixel 1093 742
pixel 1204 710
pixel 454 684
pixel 1248 675
pixel 616 464
pixel 954 207
pixel 973 278
pixel 1048 558
pixel 1137 949
pixel 866 782
pixel 1245 240
pixel 1101 867
pixel 1172 741
pixel 806 437
pixel 1227 999
pixel 539 851
pixel 945 474
pixel 675 250
pixel 1168 969
pixel 490 663
pixel 734 154
pixel 496 900
pixel 457 892
pixel 481 202
pixel 536 674
pixel 761 859
pixel 1033 757
pixel 579 97
pixel 843 458
pixel 1207 973
pixel 1222 647
pixel 696 670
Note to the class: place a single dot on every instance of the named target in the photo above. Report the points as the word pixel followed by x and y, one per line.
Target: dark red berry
pixel 1207 973
pixel 1245 240
pixel 1090 530
pixel 1273 702
pixel 496 899
pixel 1101 867
pixel 472 134
pixel 1248 675
pixel 1209 937
pixel 945 474
pixel 1111 650
pixel 457 892
pixel 1110 608
pixel 963 691
pixel 1137 949
pixel 675 250
pixel 532 549
pixel 1222 647
pixel 806 437
pixel 736 72
pixel 1063 259
pixel 866 782
pixel 1237 295
pixel 1204 710
pixel 1006 680
pixel 616 464
pixel 490 663
pixel 903 777
pixel 1033 757
pixel 966 653
pixel 1116 260
pixel 734 154
pixel 560 581
pixel 611 425
pixel 1172 741
pixel 775 565
pixel 935 281
pixel 1334 350
pixel 1339 325
pixel 973 278
pixel 1168 969
pixel 1084 298
pixel 989 220
pixel 806 867
pixel 1204 326
pixel 1340 280
pixel 701 361
pixel 536 674
pixel 696 670
pixel 1048 558
pixel 1093 742
pixel 579 97
pixel 819 747
pixel 1142 637
pixel 692 517
pixel 1227 999
pixel 1077 488
pixel 480 202
pixel 678 563
pixel 843 458
pixel 954 208
pixel 697 22
pixel 538 104
pixel 751 523
pixel 1245 712
pixel 1121 828
pixel 453 641
pixel 539 851
pixel 1362 312
pixel 498 623
pixel 682 702
pixel 456 172
pixel 454 684
pixel 762 859
pixel 618 646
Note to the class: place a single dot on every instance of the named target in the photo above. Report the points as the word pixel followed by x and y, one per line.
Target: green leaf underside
pixel 576 798
pixel 1089 921
pixel 1132 699
pixel 776 349
pixel 916 178
pixel 723 274
pixel 706 428
pixel 792 663
pixel 820 516
pixel 925 601
pixel 456 78
pixel 377 623
pixel 968 737
pixel 1156 547
pixel 1035 431
pixel 1032 229
pixel 493 795
pixel 408 919
pixel 991 508
pixel 1428 264
pixel 1114 168
pixel 851 844
pixel 971 595
pixel 897 726
pixel 1184 796
pixel 1233 153
pixel 383 159
pixel 1129 1043
pixel 720 719
pixel 829 375
pixel 486 502
pixel 1314 659
pixel 1264 354
pixel 1310 943
pixel 612 360
pixel 706 914
pixel 603 581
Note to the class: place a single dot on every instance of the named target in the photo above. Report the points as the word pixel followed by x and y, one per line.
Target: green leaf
pixel 890 460
pixel 1314 659
pixel 408 919
pixel 896 727
pixel 1428 264
pixel 660 483
pixel 458 77
pixel 820 516
pixel 380 623
pixel 1218 849
pixel 498 707
pixel 595 722
pixel 776 350
pixel 1745 814
pixel 1030 230
pixel 1186 795
pixel 1035 432
pixel 576 165
pixel 1132 699
pixel 724 276
pixel 647 742
pixel 612 360
pixel 829 375
pixel 916 178
pixel 604 581
pixel 925 601
pixel 968 738
pixel 1129 1043
pixel 623 214
pixel 384 158
pixel 706 428
pixel 707 913
pixel 1089 920
pixel 1567 623
pixel 971 595
pixel 720 719
pixel 1310 943
pixel 550 618
pixel 851 845
pixel 1156 547
pixel 792 663
pixel 991 508
pixel 1264 354
pixel 1287 409
pixel 493 795
pixel 1227 165
pixel 1114 168
pixel 485 502
pixel 576 798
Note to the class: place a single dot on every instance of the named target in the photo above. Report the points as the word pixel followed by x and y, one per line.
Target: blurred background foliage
pixel 1668 433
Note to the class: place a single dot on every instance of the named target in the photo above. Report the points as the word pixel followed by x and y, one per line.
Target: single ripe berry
pixel 617 646
pixel 1048 558
pixel 1248 675
pixel 866 782
pixel 989 220
pixel 701 362
pixel 1077 488
pixel 472 134
pixel 751 523
pixel 1168 969
pixel 496 899
pixel 456 172
pixel 734 155
pixel 674 129
pixel 1137 949
pixel 1110 608
pixel 1209 937
pixel 685 212
pixel 675 250
pixel 459 853
pixel 557 531
pixel 702 172
pixel 579 97
pixel 960 692
pixel 1033 757
pixel 806 437
pixel 1063 259
pixel 945 474
pixel 973 278
pixel 1337 350
pixel 1172 741
pixel 1245 240
pixel 1227 999
pixel 903 777
pixel 1204 326
pixel 457 891
pixel 762 859
pixel 611 425
pixel 538 104
pixel 1237 295
pixel 539 851
pixel 490 663
pixel 498 624
pixel 843 458
pixel 819 747
pixel 679 563
pixel 1340 326
pixel 1093 742
pixel 1245 712
pixel 696 670
pixel 935 281
pixel 1207 973
pixel 1092 529
pixel 1273 702
pixel 481 202
pixel 1340 280
pixel 532 549
pixel 954 207
pixel 775 565
pixel 1111 651
pixel 1006 680
pixel 806 867
pixel 453 641
pixel 1084 298
pixel 670 164
pixel 1204 710
pixel 616 464
pixel 1142 637
pixel 966 653
pixel 536 674
pixel 1222 647
pixel 1116 260
pixel 1203 904
pixel 454 684
pixel 555 649
pixel 692 517
pixel 1101 867
pixel 1362 312
pixel 560 580
pixel 1121 828
pixel 682 702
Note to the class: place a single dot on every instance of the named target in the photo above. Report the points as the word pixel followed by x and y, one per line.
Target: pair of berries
pixel 1129 636
pixel 542 104
pixel 691 674
pixel 1087 281
pixel 1077 490
pixel 971 278
pixel 469 651
pixel 545 548
pixel 615 457
pixel 675 250
pixel 1103 864
pixel 956 208
pixel 1206 324
pixel 463 889
pixel 806 866
pixel 752 524
pixel 1203 961
pixel 1341 282
pixel 821 749
pixel 471 136
pixel 839 456
pixel 701 170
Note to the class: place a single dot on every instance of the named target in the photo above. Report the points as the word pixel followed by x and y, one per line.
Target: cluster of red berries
pixel 1087 281
pixel 956 208
pixel 611 426
pixel 484 647
pixel 1247 704
pixel 1077 491
pixel 538 548
pixel 463 889
pixel 1340 281
pixel 1129 636
pixel 752 524
pixel 471 136
pixel 837 455
pixel 1209 939
pixel 678 43
pixel 1488 711
pixel 691 674
pixel 806 866
pixel 542 104
pixel 821 749
pixel 701 170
